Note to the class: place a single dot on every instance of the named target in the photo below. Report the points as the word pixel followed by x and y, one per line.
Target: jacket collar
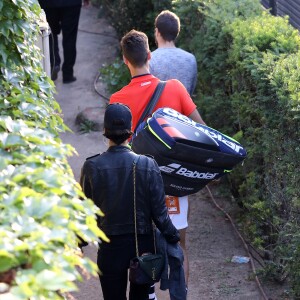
pixel 118 148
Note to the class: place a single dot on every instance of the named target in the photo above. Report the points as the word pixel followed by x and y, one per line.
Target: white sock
pixel 152 295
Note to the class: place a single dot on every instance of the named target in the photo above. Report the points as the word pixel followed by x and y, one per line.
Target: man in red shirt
pixel 136 95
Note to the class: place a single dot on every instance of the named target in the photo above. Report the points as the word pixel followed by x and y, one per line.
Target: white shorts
pixel 180 220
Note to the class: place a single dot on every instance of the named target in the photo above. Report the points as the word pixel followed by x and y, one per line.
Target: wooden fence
pixel 283 8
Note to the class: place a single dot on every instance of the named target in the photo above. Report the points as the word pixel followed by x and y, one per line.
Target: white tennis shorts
pixel 180 221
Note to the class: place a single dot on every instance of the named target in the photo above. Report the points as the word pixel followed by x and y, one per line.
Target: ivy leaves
pixel 43 210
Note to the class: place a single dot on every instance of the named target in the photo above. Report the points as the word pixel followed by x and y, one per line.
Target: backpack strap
pixel 152 102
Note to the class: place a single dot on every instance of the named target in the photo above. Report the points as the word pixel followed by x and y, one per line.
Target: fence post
pixel 273 6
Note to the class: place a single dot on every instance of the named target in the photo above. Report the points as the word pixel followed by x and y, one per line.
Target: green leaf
pixel 7 261
pixel 3 163
pixel 54 281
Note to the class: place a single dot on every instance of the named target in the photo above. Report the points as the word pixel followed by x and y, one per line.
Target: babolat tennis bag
pixel 189 154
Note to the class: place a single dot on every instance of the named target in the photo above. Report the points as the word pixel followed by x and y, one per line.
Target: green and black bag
pixel 189 154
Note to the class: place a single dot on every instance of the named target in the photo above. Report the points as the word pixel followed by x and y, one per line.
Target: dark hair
pixel 135 47
pixel 118 139
pixel 168 25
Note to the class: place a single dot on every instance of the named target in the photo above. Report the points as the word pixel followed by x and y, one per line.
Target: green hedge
pixel 41 213
pixel 266 52
pixel 133 14
pixel 249 87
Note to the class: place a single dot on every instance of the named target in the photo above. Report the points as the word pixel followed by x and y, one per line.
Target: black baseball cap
pixel 117 119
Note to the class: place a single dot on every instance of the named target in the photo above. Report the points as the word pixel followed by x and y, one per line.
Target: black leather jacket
pixel 107 179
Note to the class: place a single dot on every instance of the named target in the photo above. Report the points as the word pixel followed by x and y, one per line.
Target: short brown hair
pixel 135 47
pixel 168 25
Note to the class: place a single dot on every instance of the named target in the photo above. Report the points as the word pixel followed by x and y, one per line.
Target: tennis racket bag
pixel 189 154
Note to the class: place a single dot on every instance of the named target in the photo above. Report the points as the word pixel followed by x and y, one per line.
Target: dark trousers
pixel 65 20
pixel 113 262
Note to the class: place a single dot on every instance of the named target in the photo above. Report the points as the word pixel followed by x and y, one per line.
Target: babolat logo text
pixel 187 173
pixel 195 174
pixel 170 168
pixel 216 136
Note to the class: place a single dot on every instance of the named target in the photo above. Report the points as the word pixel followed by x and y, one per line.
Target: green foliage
pixel 268 120
pixel 124 16
pixel 208 41
pixel 86 126
pixel 191 22
pixel 133 14
pixel 41 214
pixel 248 85
pixel 115 76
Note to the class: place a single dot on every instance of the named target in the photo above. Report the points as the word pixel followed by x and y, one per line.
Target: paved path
pixel 95 46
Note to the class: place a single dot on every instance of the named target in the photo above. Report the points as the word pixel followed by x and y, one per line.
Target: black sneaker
pixel 69 79
pixel 55 71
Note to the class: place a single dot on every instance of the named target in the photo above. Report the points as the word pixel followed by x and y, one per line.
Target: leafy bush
pixel 209 42
pixel 248 87
pixel 277 79
pixel 115 76
pixel 133 14
pixel 41 214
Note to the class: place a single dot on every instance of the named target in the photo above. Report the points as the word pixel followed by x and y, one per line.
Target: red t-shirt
pixel 138 92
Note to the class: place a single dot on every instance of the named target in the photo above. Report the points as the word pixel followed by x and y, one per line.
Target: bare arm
pixel 195 116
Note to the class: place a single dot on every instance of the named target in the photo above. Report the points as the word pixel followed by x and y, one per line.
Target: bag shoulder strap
pixel 134 208
pixel 134 203
pixel 152 102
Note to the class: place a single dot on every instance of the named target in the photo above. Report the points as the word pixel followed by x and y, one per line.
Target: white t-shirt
pixel 180 221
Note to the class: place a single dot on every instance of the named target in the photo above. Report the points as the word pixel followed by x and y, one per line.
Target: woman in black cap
pixel 108 180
